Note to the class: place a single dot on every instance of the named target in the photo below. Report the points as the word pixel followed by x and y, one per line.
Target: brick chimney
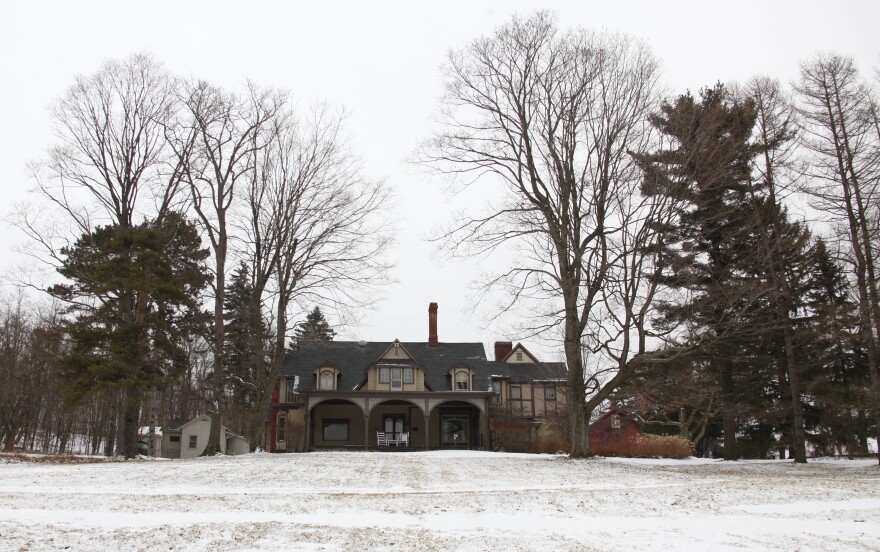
pixel 502 349
pixel 432 325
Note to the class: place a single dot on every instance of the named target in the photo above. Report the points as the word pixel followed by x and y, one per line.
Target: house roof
pixel 172 425
pixel 353 359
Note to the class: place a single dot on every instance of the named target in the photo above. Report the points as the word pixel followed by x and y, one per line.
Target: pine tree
pixel 314 328
pixel 134 300
pixel 837 371
pixel 247 336
pixel 708 249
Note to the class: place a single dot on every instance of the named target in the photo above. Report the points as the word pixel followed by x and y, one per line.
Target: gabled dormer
pixel 519 355
pixel 395 370
pixel 326 376
pixel 461 377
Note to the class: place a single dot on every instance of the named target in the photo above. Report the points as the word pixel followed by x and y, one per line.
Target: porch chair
pixel 380 439
pixel 403 441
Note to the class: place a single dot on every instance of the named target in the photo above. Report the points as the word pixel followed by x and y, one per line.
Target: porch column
pixel 307 437
pixel 427 427
pixel 366 432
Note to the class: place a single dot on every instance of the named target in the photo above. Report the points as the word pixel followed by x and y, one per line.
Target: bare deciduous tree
pixel 840 130
pixel 227 134
pixel 553 116
pixel 112 165
pixel 316 234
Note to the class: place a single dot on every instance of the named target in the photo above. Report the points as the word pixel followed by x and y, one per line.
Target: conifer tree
pixel 314 328
pixel 247 336
pixel 134 300
pixel 708 249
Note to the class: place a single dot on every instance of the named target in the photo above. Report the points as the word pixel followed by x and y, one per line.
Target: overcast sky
pixel 380 60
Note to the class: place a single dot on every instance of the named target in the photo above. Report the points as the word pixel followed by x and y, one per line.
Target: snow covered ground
pixel 439 501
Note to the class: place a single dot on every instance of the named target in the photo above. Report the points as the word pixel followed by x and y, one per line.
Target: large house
pixel 423 395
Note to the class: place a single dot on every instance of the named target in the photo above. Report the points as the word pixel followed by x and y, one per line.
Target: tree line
pixel 655 238
pixel 160 196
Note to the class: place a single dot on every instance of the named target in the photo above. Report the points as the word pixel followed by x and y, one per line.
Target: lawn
pixel 438 501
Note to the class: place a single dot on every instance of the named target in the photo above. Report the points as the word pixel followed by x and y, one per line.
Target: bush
pixel 641 446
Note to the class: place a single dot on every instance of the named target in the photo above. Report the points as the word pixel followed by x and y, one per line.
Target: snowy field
pixel 439 501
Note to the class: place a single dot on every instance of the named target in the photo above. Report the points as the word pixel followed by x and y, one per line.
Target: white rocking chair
pixel 403 440
pixel 380 439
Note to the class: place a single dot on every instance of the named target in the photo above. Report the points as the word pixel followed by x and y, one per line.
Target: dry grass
pixel 19 457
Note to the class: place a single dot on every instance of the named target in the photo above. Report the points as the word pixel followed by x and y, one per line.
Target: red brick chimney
pixel 502 349
pixel 432 325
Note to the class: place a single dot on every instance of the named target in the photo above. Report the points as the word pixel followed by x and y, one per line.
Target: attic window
pixel 518 355
pixel 461 381
pixel 326 381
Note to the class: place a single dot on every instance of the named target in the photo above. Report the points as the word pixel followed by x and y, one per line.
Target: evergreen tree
pixel 837 371
pixel 314 328
pixel 247 335
pixel 709 248
pixel 134 299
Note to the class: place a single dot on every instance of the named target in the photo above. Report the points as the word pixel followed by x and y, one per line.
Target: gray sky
pixel 380 60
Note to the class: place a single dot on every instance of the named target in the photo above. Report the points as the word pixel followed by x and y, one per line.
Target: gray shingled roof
pixel 353 358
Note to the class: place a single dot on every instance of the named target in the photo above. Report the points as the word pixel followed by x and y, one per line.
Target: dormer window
pixel 461 381
pixel 396 377
pixel 327 380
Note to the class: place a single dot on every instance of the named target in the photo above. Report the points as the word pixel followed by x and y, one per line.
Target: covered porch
pixel 396 421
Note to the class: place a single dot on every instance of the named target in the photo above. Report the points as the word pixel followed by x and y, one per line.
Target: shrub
pixel 663 446
pixel 631 445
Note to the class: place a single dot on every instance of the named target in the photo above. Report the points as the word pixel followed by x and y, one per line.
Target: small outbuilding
pixel 188 438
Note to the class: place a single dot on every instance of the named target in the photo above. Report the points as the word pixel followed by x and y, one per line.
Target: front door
pixel 394 425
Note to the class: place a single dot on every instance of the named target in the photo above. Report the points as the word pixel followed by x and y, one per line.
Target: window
pixel 174 438
pixel 496 388
pixel 393 425
pixel 515 393
pixel 461 381
pixel 280 428
pixel 326 380
pixel 193 441
pixel 396 376
pixel 335 430
pixel 291 390
pixel 518 356
pixel 550 393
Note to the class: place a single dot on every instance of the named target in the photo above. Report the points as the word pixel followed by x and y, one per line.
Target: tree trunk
pixel 728 410
pixel 213 446
pixel 9 441
pixel 578 424
pixel 128 444
pixel 798 439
